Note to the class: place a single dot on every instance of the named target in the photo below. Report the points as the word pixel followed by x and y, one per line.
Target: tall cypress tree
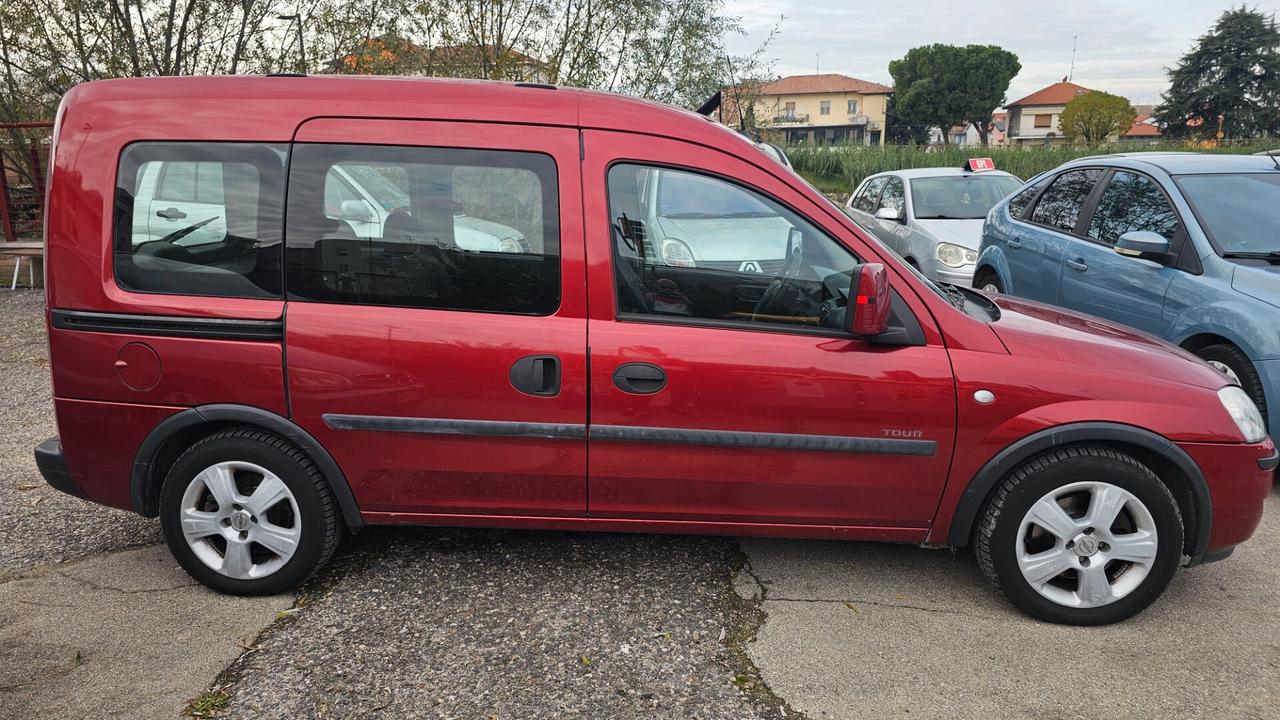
pixel 1233 72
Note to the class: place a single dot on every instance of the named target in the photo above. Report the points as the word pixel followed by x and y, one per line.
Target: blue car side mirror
pixel 1143 244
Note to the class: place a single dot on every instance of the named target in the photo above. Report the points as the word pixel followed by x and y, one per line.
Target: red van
pixel 284 307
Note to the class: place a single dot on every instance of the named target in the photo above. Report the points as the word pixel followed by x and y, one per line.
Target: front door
pixel 722 395
pixel 1099 281
pixel 444 379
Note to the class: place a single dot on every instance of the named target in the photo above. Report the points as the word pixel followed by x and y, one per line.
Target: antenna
pixel 817 63
pixel 1072 74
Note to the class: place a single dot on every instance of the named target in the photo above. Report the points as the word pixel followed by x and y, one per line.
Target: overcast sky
pixel 1123 47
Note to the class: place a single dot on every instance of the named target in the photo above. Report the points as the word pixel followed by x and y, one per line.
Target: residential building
pixel 1144 125
pixel 827 109
pixel 1035 118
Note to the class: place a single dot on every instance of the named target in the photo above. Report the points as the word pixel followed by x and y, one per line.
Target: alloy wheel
pixel 1086 544
pixel 241 520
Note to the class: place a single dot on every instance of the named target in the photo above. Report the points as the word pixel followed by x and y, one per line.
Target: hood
pixel 730 238
pixel 1029 329
pixel 965 233
pixel 1261 282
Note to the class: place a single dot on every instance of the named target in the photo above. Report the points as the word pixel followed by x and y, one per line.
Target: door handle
pixel 1078 264
pixel 536 375
pixel 639 378
pixel 1014 243
pixel 171 214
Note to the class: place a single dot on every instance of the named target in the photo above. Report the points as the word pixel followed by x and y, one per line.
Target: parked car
pixel 267 391
pixel 931 217
pixel 775 152
pixel 185 199
pixel 1184 246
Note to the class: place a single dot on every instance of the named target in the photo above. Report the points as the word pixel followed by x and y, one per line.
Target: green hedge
pixel 839 169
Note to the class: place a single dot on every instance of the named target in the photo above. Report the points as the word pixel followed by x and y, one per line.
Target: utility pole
pixel 302 40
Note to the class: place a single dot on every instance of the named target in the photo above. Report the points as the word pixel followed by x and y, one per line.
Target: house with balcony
pixel 827 109
pixel 1034 119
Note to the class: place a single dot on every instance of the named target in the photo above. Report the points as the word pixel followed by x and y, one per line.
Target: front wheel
pixel 989 284
pixel 1081 536
pixel 246 513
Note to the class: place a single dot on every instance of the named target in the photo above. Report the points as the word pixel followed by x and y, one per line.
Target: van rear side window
pixel 200 219
pixel 445 228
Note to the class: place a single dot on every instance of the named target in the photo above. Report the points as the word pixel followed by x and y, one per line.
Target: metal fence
pixel 24 161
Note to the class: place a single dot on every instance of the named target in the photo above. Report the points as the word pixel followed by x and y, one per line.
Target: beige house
pixel 828 109
pixel 1034 118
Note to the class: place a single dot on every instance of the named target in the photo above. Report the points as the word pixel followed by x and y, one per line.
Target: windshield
pixel 684 195
pixel 1240 212
pixel 959 197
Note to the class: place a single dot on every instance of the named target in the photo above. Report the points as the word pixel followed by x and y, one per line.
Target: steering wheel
pixel 790 270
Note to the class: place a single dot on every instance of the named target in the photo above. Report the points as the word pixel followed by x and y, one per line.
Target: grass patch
pixel 207 704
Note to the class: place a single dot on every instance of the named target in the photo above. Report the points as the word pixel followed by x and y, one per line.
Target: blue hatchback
pixel 1185 246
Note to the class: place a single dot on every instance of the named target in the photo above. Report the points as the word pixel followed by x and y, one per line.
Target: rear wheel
pixel 246 513
pixel 1082 536
pixel 1232 362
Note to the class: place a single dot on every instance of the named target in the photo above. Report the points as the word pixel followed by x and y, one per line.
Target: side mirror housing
pixel 1144 244
pixel 355 210
pixel 889 214
pixel 869 301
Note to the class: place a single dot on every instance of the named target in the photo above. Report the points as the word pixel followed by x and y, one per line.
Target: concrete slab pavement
pixel 120 635
pixel 863 630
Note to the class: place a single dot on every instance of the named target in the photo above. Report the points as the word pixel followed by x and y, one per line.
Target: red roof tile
pixel 1059 93
pixel 1141 128
pixel 826 83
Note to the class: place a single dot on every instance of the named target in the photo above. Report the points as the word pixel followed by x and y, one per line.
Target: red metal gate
pixel 23 164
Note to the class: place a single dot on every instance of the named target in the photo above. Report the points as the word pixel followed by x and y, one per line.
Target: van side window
pixel 200 219
pixel 690 246
pixel 445 228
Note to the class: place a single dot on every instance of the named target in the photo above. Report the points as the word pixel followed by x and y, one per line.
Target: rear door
pixel 1099 281
pixel 445 381
pixel 726 396
pixel 1035 250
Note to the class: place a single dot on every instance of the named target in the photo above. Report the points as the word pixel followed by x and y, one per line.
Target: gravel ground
pixel 499 624
pixel 39 525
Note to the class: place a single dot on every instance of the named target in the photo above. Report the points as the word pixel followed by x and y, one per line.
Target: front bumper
pixel 1239 479
pixel 962 276
pixel 53 466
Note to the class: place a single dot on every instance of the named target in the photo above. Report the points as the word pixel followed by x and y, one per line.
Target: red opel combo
pixel 281 308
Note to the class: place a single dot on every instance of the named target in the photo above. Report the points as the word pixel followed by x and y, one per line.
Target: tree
pixel 1095 116
pixel 944 85
pixel 1233 73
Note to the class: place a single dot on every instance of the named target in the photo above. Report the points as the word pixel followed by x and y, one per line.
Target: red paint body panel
pixel 102 440
pixel 1046 367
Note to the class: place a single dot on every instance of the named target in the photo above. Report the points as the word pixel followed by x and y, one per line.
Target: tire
pixel 276 525
pixel 1232 361
pixel 989 283
pixel 1135 556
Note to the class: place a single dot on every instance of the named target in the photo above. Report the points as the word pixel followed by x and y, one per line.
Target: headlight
pixel 676 253
pixel 955 256
pixel 510 245
pixel 1241 409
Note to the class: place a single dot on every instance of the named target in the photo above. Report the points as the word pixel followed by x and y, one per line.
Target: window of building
pixel 853 107
pixel 720 252
pixel 200 219
pixel 442 228
pixel 824 107
pixel 1059 207
pixel 790 110
pixel 1043 121
pixel 1132 202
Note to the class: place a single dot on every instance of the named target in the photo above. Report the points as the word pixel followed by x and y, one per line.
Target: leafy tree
pixel 944 85
pixel 1232 72
pixel 1095 116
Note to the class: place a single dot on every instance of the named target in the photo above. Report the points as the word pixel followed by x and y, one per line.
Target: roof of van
pixel 286 101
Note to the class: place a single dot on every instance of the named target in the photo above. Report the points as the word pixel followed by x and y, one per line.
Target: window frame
pixel 824 107
pixel 867 186
pixel 852 107
pixel 1086 206
pixel 117 226
pixel 1035 120
pixel 553 200
pixel 911 323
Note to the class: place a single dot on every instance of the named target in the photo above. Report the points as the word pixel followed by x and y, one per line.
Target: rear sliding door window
pixel 445 228
pixel 200 219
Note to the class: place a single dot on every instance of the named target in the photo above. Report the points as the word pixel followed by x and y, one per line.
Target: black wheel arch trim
pixel 985 481
pixel 142 482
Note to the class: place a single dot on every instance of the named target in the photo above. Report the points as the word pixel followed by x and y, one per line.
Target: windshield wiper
pixel 1272 256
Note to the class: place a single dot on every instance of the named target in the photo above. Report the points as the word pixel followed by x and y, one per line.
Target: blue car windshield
pixel 1240 212
pixel 959 197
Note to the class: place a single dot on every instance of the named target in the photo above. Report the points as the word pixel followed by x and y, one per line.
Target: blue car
pixel 1185 246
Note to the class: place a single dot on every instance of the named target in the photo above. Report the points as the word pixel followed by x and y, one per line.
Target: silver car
pixel 932 217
